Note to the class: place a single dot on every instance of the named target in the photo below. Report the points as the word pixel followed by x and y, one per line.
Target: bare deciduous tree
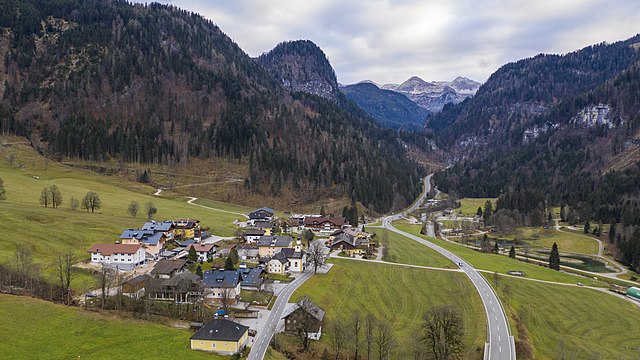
pixel 133 208
pixel 91 201
pixel 64 266
pixel 337 332
pixel 385 340
pixel 369 327
pixel 317 255
pixel 45 197
pixel 228 295
pixel 356 327
pixel 443 333
pixel 105 278
pixel 56 196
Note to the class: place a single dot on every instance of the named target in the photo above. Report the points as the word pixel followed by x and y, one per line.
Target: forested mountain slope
pixel 98 80
pixel 559 131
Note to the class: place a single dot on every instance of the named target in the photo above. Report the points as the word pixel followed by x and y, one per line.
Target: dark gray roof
pixel 168 266
pixel 263 224
pixel 292 253
pixel 308 306
pixel 254 232
pixel 221 278
pixel 348 239
pixel 250 277
pixel 135 233
pixel 182 282
pixel 222 330
pixel 280 257
pixel 277 241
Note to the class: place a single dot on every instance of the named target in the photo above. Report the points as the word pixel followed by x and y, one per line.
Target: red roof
pixel 202 247
pixel 109 249
pixel 338 221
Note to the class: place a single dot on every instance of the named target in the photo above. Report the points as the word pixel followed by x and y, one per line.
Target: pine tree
pixel 488 210
pixel 496 248
pixel 587 227
pixel 193 255
pixel 3 192
pixel 512 252
pixel 484 243
pixel 554 258
pixel 612 231
pixel 563 216
pixel 228 264
pixel 199 270
pixel 479 212
pixel 322 213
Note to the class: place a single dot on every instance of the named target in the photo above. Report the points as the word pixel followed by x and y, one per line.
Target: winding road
pixel 263 337
pixel 500 345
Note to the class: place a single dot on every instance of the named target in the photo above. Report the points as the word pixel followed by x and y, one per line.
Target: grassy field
pixel 406 251
pixel 582 323
pixel 469 206
pixel 48 231
pixel 566 241
pixel 501 263
pixel 50 331
pixel 399 295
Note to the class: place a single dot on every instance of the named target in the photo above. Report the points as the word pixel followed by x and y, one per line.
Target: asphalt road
pixel 501 345
pixel 263 337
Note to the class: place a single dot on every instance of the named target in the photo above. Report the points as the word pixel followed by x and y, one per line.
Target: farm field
pixel 581 323
pixel 568 242
pixel 500 263
pixel 469 206
pixel 406 251
pixel 48 232
pixel 35 329
pixel 399 295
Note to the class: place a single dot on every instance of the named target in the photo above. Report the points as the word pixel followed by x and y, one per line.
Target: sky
pixel 388 41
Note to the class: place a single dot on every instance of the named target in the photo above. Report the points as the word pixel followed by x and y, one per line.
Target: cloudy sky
pixel 390 40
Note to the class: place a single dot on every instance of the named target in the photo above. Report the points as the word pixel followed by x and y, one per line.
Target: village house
pixel 185 287
pixel 324 224
pixel 304 316
pixel 266 226
pixel 350 244
pixel 153 242
pixel 165 227
pixel 278 264
pixel 349 230
pixel 120 256
pixel 135 287
pixel 271 245
pixel 251 279
pixel 221 336
pixel 204 251
pixel 224 249
pixel 262 214
pixel 252 235
pixel 187 229
pixel 168 268
pixel 248 252
pixel 222 285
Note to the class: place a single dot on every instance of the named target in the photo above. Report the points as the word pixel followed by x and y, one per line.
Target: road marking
pixel 499 348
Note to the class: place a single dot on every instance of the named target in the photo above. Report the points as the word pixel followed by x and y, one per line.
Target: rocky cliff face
pixel 302 66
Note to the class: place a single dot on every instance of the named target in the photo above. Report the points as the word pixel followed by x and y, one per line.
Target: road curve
pixel 263 337
pixel 501 345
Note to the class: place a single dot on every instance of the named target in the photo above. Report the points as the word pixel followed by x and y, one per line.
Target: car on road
pixel 580 284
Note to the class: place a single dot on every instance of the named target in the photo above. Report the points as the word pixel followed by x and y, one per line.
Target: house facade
pixel 221 336
pixel 183 288
pixel 204 251
pixel 153 242
pixel 187 229
pixel 322 224
pixel 122 256
pixel 251 236
pixel 350 244
pixel 304 316
pixel 271 245
pixel 221 286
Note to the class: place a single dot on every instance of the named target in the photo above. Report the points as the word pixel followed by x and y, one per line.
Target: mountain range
pixel 150 83
pixel 434 95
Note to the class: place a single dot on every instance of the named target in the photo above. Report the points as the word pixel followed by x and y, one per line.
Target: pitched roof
pixel 292 253
pixel 202 247
pixel 182 282
pixel 348 239
pixel 135 234
pixel 158 225
pixel 185 224
pixel 221 278
pixel 263 224
pixel 338 221
pixel 168 266
pixel 187 243
pixel 222 330
pixel 276 241
pixel 153 239
pixel 253 232
pixel 280 257
pixel 250 277
pixel 109 249
pixel 265 209
pixel 306 305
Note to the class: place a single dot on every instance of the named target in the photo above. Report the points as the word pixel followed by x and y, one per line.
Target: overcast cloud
pixel 389 41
